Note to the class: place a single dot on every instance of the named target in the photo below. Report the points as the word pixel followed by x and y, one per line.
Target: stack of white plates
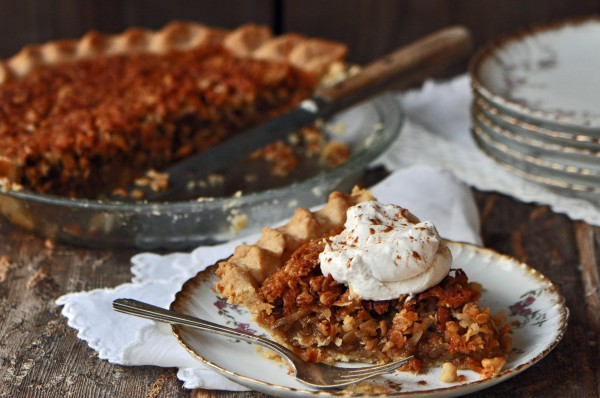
pixel 536 104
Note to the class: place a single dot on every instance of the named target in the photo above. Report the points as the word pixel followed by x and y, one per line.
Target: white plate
pixel 548 73
pixel 530 300
pixel 560 138
pixel 570 160
pixel 557 174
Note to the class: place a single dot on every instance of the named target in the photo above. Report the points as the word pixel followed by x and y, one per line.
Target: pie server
pixel 402 67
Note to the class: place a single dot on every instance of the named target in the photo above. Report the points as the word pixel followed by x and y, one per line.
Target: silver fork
pixel 316 375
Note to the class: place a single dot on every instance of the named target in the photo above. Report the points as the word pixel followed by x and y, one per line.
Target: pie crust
pixel 252 41
pixel 279 280
pixel 153 116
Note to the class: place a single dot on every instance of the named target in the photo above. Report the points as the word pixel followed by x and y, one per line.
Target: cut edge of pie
pixel 278 279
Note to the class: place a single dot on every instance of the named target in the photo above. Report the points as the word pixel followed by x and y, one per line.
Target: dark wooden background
pixel 370 27
pixel 40 356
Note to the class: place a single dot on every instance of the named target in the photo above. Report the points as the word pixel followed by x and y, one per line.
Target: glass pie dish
pixel 367 129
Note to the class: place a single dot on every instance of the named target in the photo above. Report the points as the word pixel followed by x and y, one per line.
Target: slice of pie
pixel 86 116
pixel 280 280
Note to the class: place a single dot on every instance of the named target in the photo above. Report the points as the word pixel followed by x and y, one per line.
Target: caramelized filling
pixel 91 125
pixel 322 321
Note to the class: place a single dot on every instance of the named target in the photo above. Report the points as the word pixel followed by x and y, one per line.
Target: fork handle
pixel 149 311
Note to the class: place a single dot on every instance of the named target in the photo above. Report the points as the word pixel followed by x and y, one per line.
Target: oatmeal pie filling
pixel 280 280
pixel 95 122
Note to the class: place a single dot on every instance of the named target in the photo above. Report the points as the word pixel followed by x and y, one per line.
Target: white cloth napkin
pixel 430 194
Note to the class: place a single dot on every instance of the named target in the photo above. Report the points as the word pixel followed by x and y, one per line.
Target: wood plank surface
pixel 41 356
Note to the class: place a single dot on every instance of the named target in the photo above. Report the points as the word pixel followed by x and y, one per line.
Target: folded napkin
pixel 122 339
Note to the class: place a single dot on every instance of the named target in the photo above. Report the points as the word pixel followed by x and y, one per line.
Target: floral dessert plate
pixel 533 171
pixel 547 73
pixel 534 132
pixel 564 176
pixel 531 302
pixel 573 163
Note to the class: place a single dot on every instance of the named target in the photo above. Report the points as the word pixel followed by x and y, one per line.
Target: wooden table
pixel 41 356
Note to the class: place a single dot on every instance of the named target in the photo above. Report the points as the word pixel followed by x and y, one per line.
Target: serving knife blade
pixel 403 67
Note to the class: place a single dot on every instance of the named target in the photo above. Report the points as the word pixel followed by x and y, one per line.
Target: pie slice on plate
pixel 361 281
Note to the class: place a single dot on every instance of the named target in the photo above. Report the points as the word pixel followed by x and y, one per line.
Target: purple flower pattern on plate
pixel 524 311
pixel 225 310
pixel 514 75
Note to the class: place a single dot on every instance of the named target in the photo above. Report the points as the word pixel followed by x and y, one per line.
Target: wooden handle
pixel 402 67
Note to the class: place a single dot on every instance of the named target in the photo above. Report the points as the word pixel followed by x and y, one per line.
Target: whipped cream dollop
pixel 385 251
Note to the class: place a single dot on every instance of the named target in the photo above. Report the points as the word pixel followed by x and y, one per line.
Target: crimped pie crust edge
pixel 249 40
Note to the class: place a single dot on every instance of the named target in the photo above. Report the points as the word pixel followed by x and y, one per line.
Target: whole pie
pixel 280 280
pixel 86 116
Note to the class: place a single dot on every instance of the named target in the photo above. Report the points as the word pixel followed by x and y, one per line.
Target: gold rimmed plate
pixel 571 159
pixel 555 137
pixel 545 75
pixel 535 168
pixel 533 305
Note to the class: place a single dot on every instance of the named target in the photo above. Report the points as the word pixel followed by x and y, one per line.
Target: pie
pixel 83 117
pixel 279 280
